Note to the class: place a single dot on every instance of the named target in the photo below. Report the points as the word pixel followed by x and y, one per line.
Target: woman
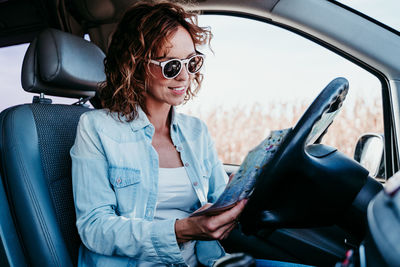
pixel 139 168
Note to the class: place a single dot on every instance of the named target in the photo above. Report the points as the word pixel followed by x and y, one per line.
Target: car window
pixel 11 92
pixel 262 77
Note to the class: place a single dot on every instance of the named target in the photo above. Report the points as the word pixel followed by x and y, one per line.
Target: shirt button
pixel 195 183
pixel 186 164
pixel 119 180
pixel 179 148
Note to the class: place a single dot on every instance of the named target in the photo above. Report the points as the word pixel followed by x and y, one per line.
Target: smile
pixel 178 90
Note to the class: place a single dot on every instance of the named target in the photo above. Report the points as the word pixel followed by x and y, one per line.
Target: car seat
pixel 35 143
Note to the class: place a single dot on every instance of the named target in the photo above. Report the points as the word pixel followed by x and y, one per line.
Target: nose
pixel 183 75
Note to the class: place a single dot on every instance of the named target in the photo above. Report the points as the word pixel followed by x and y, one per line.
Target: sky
pixel 272 63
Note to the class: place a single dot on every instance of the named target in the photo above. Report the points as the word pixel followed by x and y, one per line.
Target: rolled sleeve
pixel 167 247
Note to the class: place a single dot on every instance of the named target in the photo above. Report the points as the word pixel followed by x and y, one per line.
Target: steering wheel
pixel 306 184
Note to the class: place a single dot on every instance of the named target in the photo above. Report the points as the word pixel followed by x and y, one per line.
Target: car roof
pixel 21 21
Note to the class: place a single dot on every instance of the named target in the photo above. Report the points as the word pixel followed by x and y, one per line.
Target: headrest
pixel 61 64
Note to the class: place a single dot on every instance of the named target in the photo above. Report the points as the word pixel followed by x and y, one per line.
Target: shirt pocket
pixel 125 182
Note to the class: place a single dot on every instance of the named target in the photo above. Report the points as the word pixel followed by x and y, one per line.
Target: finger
pixel 215 226
pixel 224 231
pixel 231 214
pixel 229 230
pixel 216 234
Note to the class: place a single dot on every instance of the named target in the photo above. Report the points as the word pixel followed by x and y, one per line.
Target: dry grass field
pixel 238 130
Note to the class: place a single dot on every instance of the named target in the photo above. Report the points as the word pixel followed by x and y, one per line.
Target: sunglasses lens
pixel 195 64
pixel 172 68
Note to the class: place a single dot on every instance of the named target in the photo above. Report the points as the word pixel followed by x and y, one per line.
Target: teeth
pixel 178 88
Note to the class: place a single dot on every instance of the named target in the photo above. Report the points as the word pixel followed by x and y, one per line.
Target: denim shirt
pixel 115 184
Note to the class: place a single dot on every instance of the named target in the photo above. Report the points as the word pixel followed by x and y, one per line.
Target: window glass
pixel 11 92
pixel 261 78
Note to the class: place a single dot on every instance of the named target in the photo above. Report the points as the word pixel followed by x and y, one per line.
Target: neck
pixel 159 116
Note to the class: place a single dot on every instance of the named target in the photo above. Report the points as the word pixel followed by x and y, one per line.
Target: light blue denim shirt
pixel 115 184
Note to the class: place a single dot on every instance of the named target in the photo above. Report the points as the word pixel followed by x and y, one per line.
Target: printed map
pixel 242 184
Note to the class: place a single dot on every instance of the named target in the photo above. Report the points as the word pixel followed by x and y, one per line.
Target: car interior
pixel 36 139
pixel 37 226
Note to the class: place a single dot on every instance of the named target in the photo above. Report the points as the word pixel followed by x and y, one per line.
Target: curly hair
pixel 140 35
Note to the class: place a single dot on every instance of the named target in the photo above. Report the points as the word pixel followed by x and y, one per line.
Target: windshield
pixel 387 12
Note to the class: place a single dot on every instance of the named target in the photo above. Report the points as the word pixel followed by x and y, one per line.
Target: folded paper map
pixel 242 184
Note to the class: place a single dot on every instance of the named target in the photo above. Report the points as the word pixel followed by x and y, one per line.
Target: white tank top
pixel 176 197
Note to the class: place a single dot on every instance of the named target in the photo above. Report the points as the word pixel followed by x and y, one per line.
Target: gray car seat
pixel 35 143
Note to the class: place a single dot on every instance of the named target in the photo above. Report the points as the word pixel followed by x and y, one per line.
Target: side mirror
pixel 369 153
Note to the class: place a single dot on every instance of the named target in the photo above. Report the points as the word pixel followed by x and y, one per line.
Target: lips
pixel 178 90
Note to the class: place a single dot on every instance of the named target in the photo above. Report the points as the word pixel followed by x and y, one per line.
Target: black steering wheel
pixel 306 184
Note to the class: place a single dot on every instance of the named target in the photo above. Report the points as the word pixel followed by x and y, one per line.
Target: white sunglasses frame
pixel 182 61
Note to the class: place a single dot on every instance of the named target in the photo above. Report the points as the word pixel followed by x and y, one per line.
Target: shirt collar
pixel 174 120
pixel 142 121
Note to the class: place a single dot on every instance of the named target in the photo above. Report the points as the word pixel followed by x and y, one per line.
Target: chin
pixel 177 104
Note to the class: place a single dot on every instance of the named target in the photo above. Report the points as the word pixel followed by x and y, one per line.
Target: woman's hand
pixel 208 227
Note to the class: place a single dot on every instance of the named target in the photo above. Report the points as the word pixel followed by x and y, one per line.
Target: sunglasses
pixel 172 67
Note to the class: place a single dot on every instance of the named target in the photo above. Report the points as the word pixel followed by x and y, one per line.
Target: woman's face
pixel 170 92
